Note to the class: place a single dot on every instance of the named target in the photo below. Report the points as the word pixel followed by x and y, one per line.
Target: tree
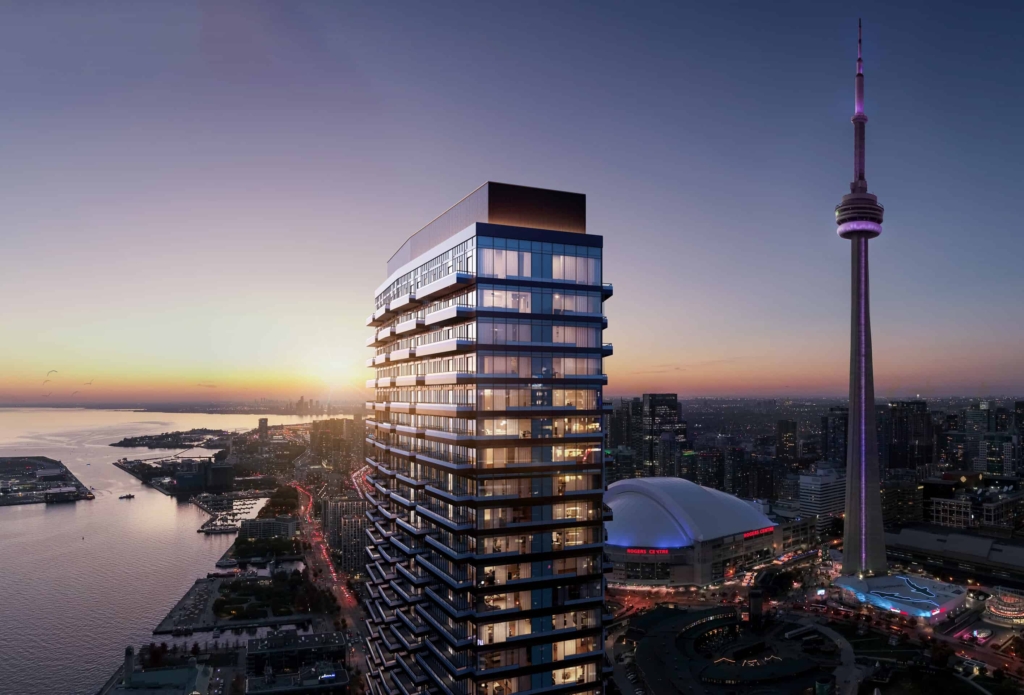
pixel 195 649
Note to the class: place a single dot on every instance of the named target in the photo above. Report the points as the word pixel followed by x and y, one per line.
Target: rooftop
pixel 498 203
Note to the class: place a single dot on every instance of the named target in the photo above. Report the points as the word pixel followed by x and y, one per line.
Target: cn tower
pixel 859 219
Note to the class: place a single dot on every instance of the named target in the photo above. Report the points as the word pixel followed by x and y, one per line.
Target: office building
pixel 1001 453
pixel 785 440
pixel 902 502
pixel 660 416
pixel 486 443
pixel 833 435
pixel 975 424
pixel 822 495
pixel 624 424
pixel 264 430
pixel 912 445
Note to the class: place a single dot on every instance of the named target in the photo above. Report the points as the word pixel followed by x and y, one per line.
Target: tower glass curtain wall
pixel 660 417
pixel 485 442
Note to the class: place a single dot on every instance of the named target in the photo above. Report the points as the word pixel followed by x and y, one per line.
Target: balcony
pixel 381 337
pixel 449 282
pixel 402 354
pixel 420 528
pixel 607 290
pixel 409 380
pixel 460 582
pixel 402 303
pixel 451 314
pixel 607 512
pixel 407 638
pixel 414 574
pixel 379 317
pixel 409 326
pixel 606 350
pixel 446 409
pixel 445 346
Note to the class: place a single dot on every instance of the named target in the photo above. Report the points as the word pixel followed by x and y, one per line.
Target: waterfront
pixel 83 580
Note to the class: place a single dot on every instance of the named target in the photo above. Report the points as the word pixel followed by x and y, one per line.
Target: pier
pixel 39 480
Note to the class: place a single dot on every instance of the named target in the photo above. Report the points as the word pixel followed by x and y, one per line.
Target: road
pixel 325 576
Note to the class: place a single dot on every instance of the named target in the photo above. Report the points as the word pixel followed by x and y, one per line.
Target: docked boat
pixel 226 562
pixel 218 529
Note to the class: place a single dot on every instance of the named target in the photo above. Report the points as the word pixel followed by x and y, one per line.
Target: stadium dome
pixel 675 513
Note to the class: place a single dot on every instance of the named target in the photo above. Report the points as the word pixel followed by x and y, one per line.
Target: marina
pixel 227 510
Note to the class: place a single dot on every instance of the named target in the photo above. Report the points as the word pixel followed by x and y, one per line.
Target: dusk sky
pixel 197 201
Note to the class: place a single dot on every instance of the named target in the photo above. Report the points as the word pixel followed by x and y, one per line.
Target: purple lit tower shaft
pixel 859 219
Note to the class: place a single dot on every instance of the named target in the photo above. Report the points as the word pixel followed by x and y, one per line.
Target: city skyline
pixel 175 221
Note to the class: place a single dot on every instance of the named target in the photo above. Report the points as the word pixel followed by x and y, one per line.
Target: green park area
pixel 281 595
pixel 284 502
pixel 248 548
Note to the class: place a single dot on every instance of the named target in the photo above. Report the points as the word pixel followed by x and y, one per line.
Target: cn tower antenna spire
pixel 860 67
pixel 859 122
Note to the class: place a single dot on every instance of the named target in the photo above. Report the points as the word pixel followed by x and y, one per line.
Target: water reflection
pixel 80 581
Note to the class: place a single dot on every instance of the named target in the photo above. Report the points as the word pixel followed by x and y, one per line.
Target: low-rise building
pixel 958 555
pixel 291 663
pixel 189 679
pixel 278 527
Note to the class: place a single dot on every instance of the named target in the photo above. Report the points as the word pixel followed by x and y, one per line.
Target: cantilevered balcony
pixel 410 326
pixel 445 346
pixel 451 314
pixel 449 282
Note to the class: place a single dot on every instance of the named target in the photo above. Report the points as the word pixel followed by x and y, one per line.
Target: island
pixel 199 437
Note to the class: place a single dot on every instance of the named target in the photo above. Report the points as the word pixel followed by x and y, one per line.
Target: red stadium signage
pixel 759 532
pixel 646 551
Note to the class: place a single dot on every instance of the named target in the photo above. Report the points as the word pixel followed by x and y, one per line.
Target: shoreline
pixel 123 465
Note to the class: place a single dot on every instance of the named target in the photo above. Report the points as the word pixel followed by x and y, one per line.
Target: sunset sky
pixel 197 201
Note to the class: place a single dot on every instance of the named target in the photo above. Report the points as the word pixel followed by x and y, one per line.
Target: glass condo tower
pixel 485 442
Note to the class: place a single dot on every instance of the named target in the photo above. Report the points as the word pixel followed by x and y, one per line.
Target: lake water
pixel 79 582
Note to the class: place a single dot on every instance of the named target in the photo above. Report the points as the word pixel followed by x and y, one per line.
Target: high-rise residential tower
pixel 859 219
pixel 486 554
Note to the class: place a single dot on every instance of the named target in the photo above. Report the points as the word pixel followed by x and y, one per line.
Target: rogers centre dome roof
pixel 675 513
